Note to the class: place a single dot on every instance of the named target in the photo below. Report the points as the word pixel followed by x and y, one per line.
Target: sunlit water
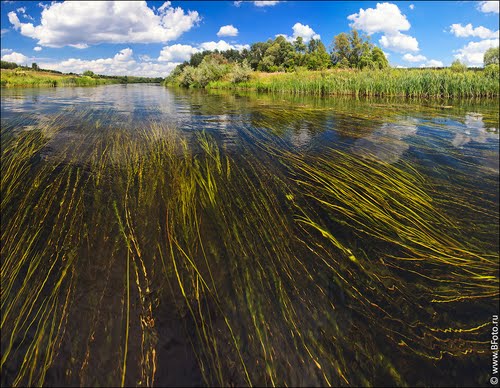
pixel 298 241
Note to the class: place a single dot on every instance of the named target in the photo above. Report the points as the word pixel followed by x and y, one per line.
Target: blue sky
pixel 151 38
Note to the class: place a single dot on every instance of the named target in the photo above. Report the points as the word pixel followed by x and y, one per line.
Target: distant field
pixel 32 78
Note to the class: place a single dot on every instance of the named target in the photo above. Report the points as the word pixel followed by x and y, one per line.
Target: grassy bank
pixel 393 82
pixel 32 78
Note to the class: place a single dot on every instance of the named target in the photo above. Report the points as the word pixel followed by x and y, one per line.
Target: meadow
pixel 33 78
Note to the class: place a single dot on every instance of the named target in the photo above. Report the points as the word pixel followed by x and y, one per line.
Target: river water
pixel 158 236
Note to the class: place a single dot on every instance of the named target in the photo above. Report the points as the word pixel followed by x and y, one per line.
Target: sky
pixel 150 38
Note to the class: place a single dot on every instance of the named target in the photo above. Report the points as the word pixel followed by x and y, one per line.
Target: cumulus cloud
pixel 399 42
pixel 228 30
pixel 467 30
pixel 122 63
pixel 473 53
pixel 18 58
pixel 386 18
pixel 3 31
pixel 432 63
pixel 412 7
pixel 265 3
pixel 182 52
pixel 489 6
pixel 83 23
pixel 176 53
pixel 414 58
pixel 237 3
pixel 37 48
pixel 304 31
pixel 222 45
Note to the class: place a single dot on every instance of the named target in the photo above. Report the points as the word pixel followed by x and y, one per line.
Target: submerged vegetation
pixel 265 266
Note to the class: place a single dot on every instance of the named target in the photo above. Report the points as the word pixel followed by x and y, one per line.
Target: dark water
pixel 246 239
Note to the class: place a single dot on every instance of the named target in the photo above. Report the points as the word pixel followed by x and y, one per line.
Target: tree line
pixel 348 50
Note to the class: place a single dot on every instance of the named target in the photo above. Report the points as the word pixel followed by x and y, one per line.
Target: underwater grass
pixel 282 267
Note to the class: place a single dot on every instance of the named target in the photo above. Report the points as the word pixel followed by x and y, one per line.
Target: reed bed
pixel 125 249
pixel 394 82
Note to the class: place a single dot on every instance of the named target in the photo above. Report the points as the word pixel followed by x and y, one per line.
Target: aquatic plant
pixel 124 250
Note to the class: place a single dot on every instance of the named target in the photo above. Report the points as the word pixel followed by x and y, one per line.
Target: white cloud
pixel 37 48
pixel 3 31
pixel 432 63
pixel 222 45
pixel 304 31
pixel 265 3
pixel 83 23
pixel 467 30
pixel 182 52
pixel 177 53
pixel 145 58
pixel 385 17
pixel 6 51
pixel 228 30
pixel 18 58
pixel 412 7
pixel 414 58
pixel 122 63
pixel 237 3
pixel 399 42
pixel 489 6
pixel 472 54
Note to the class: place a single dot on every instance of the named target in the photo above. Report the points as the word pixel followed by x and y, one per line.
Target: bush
pixel 492 71
pixel 458 67
pixel 241 73
pixel 187 77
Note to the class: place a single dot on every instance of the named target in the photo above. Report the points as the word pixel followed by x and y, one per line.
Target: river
pixel 167 237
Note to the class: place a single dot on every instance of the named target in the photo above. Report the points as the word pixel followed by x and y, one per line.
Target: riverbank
pixel 32 78
pixel 389 82
pixel 25 77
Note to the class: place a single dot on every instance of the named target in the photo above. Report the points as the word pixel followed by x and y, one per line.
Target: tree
pixel 356 51
pixel 379 59
pixel 299 45
pixel 317 58
pixel 491 56
pixel 458 67
pixel 34 66
pixel 340 48
pixel 88 73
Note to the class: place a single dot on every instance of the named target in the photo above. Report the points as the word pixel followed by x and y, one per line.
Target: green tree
pixel 379 59
pixel 317 58
pixel 458 67
pixel 88 73
pixel 341 48
pixel 491 56
pixel 34 66
pixel 299 45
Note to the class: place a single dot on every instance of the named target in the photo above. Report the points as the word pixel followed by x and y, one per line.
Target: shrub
pixel 492 71
pixel 241 73
pixel 458 67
